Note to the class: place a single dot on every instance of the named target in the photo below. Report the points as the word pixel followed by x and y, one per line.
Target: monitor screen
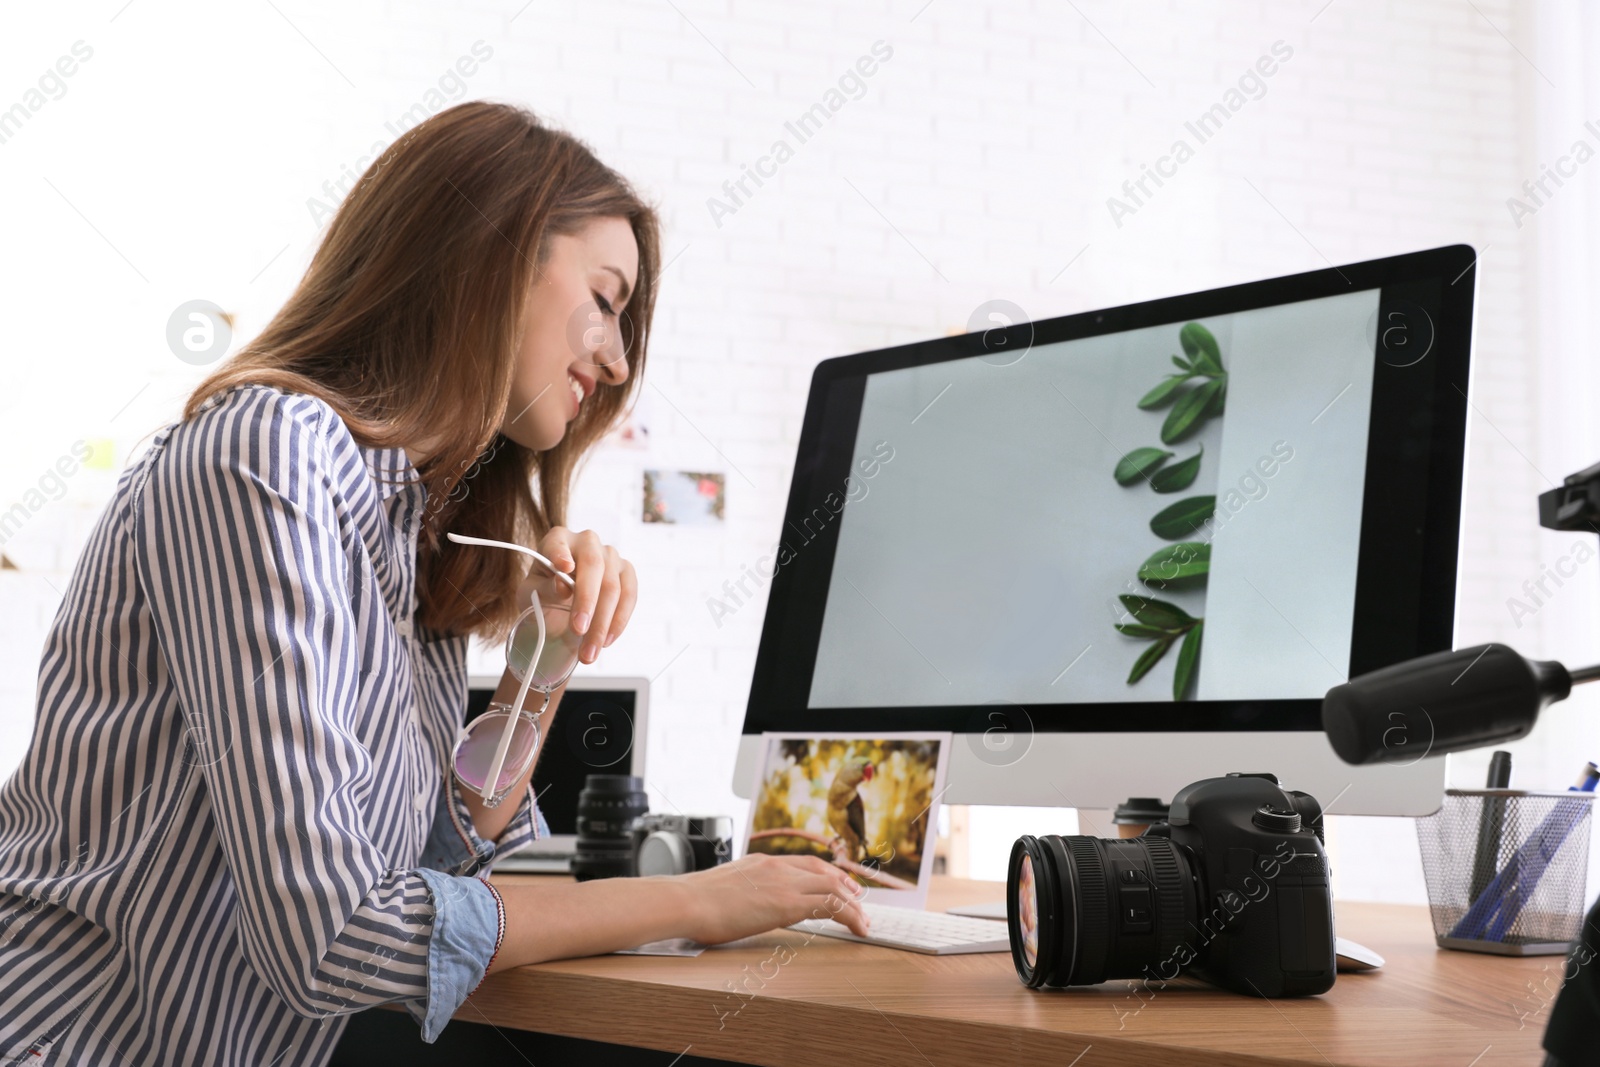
pixel 988 559
pixel 1196 513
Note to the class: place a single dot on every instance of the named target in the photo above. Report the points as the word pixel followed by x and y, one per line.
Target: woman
pixel 237 821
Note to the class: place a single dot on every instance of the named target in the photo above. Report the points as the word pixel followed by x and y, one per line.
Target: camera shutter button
pixel 1277 820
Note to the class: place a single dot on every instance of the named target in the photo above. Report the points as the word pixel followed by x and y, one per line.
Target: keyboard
pixel 932 932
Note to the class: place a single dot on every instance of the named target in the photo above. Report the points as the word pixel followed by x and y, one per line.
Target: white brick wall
pixel 981 156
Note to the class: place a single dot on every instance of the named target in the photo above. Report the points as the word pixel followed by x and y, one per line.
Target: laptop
pixel 599 728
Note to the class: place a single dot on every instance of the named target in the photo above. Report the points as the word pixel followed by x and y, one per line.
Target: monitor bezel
pixel 1425 525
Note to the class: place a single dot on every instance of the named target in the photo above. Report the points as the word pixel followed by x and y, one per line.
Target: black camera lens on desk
pixel 609 810
pixel 1105 908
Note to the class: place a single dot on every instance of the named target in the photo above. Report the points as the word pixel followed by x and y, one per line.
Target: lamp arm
pixel 1585 674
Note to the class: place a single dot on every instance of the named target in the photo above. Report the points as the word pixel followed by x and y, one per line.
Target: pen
pixel 1491 825
pixel 1586 780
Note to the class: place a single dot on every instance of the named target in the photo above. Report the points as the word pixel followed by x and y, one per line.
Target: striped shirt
pixel 235 823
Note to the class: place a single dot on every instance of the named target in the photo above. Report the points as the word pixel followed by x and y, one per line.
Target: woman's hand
pixel 563 920
pixel 760 892
pixel 607 587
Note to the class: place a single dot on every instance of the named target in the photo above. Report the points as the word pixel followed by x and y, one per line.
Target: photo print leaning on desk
pixel 249 808
pixel 864 802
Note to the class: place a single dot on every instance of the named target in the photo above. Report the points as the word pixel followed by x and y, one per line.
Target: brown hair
pixel 408 321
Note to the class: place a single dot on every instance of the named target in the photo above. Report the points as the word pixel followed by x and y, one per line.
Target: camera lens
pixel 609 807
pixel 1084 909
pixel 1028 912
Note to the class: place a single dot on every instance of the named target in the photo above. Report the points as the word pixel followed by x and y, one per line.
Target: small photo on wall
pixel 684 498
pixel 866 803
pixel 632 430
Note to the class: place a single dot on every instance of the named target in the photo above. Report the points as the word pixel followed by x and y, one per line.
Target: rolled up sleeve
pixel 469 924
pixel 453 841
pixel 239 547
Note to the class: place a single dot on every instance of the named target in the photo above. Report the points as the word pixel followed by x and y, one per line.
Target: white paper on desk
pixel 673 946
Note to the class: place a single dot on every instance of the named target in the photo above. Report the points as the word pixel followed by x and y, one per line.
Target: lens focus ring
pixel 1170 894
pixel 1094 918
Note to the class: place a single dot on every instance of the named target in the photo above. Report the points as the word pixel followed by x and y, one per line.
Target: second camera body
pixel 1234 887
pixel 678 844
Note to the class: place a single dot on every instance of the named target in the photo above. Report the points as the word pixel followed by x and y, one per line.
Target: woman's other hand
pixel 760 892
pixel 606 586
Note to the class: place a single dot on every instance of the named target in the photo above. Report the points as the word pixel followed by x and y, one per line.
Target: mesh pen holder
pixel 1506 869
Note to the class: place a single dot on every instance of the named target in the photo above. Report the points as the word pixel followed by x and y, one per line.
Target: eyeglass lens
pixel 475 755
pixel 560 654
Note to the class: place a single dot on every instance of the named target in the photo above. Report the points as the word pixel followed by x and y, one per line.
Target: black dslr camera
pixel 1232 888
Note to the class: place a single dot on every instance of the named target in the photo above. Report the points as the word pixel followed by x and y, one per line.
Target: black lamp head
pixel 1446 702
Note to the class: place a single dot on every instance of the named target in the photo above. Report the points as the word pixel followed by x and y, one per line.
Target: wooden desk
pixel 832 1001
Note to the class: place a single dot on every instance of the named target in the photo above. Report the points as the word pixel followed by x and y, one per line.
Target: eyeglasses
pixel 493 751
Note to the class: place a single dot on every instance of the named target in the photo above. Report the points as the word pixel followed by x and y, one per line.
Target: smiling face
pixel 571 339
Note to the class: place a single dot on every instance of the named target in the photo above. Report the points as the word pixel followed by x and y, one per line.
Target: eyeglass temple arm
pixel 491 783
pixel 463 539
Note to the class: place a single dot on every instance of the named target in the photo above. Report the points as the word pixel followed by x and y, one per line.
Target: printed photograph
pixel 684 498
pixel 865 804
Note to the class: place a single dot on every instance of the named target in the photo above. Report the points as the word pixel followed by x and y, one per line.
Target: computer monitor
pixel 1235 498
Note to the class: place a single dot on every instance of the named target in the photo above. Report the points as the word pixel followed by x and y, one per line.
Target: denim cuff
pixel 468 926
pixel 453 842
